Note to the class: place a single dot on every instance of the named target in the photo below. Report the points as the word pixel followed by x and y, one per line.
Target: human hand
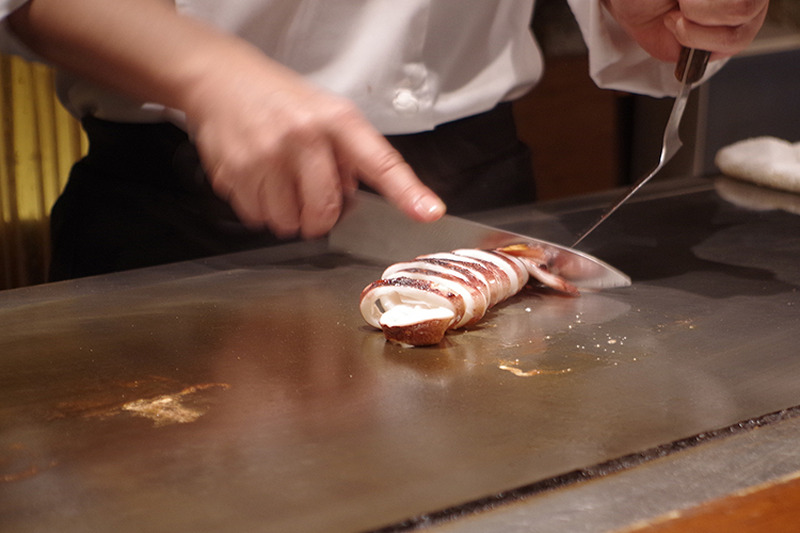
pixel 285 153
pixel 662 27
pixel 281 151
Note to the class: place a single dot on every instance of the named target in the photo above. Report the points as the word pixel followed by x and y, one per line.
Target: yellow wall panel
pixel 40 142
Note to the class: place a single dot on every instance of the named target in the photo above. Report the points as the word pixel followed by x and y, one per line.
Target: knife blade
pixel 690 68
pixel 371 228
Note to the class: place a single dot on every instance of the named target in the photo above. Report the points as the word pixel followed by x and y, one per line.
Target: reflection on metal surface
pixel 529 331
pixel 18 463
pixel 756 198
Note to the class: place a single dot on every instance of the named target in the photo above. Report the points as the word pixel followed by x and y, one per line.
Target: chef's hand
pixel 285 153
pixel 281 151
pixel 662 27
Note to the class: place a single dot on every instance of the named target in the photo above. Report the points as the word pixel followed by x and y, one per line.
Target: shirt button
pixel 405 102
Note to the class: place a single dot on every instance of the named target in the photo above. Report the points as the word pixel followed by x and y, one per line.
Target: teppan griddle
pixel 244 393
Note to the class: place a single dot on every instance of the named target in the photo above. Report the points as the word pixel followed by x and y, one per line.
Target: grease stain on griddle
pixel 163 408
pixel 169 409
pixel 510 367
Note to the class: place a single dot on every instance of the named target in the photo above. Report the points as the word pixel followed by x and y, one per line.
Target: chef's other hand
pixel 285 153
pixel 662 27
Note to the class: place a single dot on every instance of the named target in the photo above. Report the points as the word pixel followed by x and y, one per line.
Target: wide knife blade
pixel 371 228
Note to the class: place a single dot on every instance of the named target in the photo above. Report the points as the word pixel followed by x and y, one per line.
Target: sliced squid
pixel 486 274
pixel 513 268
pixel 535 261
pixel 382 295
pixel 475 302
pixel 416 302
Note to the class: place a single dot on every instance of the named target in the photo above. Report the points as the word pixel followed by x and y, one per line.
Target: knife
pixel 371 228
pixel 690 68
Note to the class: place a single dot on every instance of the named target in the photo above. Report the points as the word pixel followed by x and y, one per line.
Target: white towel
pixel 765 161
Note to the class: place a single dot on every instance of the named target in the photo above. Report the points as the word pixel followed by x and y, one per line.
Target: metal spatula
pixel 690 69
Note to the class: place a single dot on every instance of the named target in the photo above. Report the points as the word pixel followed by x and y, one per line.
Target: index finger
pixel 382 167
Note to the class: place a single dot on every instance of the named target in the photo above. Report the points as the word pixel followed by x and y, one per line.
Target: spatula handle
pixel 691 64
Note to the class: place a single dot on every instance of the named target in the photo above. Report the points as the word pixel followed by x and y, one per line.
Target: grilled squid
pixel 416 302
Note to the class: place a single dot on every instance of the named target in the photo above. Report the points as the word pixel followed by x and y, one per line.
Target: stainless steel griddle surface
pixel 244 393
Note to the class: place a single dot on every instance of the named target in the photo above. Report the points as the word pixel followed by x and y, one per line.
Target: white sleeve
pixel 9 43
pixel 8 6
pixel 616 61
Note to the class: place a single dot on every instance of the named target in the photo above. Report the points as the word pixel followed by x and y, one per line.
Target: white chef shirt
pixel 409 65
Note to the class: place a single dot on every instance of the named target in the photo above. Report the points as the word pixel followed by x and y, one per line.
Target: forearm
pixel 143 49
pixel 277 148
